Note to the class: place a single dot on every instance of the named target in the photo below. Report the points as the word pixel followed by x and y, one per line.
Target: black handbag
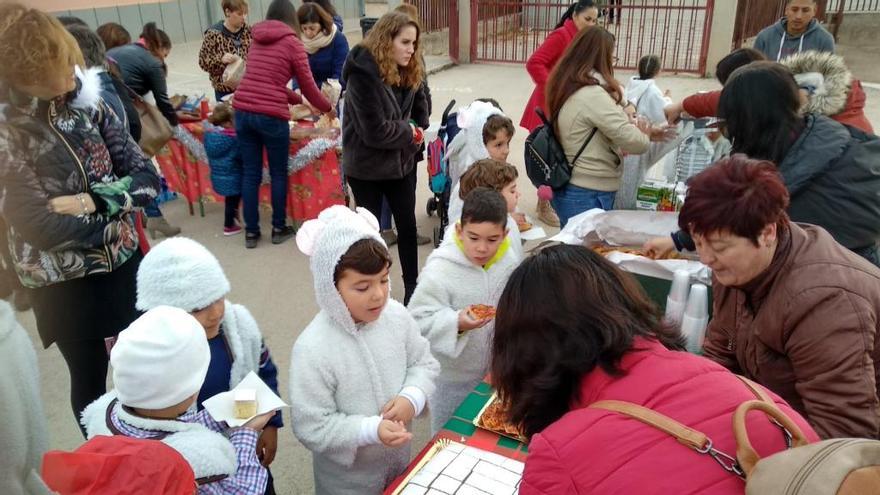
pixel 546 163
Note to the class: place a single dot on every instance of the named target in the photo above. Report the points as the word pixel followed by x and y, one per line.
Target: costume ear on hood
pixel 325 240
pixel 467 147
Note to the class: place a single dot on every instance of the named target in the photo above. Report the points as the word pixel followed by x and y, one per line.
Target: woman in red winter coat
pixel 579 16
pixel 571 330
pixel 261 113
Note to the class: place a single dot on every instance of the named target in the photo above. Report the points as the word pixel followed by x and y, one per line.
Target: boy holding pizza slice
pixel 454 302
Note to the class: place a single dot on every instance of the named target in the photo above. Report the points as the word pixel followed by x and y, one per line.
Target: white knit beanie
pixel 182 273
pixel 160 360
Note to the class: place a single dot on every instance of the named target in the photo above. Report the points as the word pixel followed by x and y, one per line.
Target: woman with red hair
pixel 793 309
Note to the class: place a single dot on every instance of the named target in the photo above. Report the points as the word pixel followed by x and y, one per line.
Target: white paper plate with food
pixel 248 399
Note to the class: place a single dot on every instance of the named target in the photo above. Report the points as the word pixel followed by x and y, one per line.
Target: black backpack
pixel 546 164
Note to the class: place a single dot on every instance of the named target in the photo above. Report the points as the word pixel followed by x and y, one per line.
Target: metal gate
pixel 439 22
pixel 676 30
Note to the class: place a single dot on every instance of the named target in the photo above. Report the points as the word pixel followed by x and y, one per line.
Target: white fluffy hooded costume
pixel 23 429
pixel 449 283
pixel 467 146
pixel 182 273
pixel 342 374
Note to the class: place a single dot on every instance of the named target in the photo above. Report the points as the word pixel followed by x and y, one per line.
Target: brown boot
pixel 546 214
pixel 160 225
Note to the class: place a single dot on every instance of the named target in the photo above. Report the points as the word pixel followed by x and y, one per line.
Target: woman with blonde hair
pixel 70 179
pixel 385 115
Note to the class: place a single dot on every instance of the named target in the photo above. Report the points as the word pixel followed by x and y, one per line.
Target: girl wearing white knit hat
pixel 159 364
pixel 361 370
pixel 182 273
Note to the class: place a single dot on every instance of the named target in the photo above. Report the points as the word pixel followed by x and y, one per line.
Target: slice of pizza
pixel 482 312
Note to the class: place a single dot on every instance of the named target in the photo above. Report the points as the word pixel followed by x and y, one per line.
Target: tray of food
pixel 452 468
pixel 493 417
pixel 605 250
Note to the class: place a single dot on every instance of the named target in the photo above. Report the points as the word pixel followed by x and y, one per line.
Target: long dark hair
pixel 575 9
pixel 327 5
pixel 284 11
pixel 760 108
pixel 591 50
pixel 155 39
pixel 564 312
pixel 113 35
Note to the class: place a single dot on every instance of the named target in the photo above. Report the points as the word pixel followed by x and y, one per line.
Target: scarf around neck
pixel 320 41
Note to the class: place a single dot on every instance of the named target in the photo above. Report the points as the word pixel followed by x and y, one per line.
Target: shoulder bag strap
pixel 688 437
pixel 685 435
pixel 584 146
pixel 762 396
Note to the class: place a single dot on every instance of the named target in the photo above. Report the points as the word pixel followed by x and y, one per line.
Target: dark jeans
pixel 572 200
pixel 256 132
pixel 231 213
pixel 385 217
pixel 401 195
pixel 152 210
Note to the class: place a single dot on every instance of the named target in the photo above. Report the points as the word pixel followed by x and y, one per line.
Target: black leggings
pixel 401 195
pixel 87 362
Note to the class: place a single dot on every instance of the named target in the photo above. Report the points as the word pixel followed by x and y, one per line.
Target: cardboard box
pixel 657 196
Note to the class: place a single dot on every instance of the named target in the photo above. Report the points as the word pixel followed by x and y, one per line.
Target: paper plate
pixel 221 407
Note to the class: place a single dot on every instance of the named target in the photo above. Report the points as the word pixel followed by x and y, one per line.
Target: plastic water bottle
pixel 696 318
pixel 677 298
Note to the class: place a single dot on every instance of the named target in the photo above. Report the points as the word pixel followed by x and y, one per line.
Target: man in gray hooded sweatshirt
pixel 797 32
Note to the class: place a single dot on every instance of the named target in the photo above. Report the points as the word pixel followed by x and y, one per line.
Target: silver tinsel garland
pixel 315 149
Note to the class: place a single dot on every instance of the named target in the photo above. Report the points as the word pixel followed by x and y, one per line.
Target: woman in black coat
pixel 385 111
pixel 143 68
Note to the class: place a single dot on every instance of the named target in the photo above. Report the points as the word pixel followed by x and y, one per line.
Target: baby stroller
pixel 438 172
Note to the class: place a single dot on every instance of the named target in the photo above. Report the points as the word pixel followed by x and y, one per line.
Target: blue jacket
pixel 224 158
pixel 327 62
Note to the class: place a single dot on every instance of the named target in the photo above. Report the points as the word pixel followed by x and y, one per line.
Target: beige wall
pixel 58 5
pixel 721 38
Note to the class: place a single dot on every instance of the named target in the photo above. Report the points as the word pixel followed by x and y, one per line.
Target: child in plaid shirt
pixel 159 364
pixel 182 273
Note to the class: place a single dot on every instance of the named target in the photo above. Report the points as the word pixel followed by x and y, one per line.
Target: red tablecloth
pixel 310 190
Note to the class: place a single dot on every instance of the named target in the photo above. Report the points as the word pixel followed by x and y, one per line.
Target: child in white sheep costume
pixel 159 363
pixel 449 284
pixel 182 273
pixel 344 375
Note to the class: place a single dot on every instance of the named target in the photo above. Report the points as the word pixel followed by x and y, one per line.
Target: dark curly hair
pixel 565 312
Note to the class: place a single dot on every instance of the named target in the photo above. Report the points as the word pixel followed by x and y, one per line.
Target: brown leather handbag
pixel 842 466
pixel 155 129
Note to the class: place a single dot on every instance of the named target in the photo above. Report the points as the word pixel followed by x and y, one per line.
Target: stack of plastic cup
pixel 696 318
pixel 677 298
